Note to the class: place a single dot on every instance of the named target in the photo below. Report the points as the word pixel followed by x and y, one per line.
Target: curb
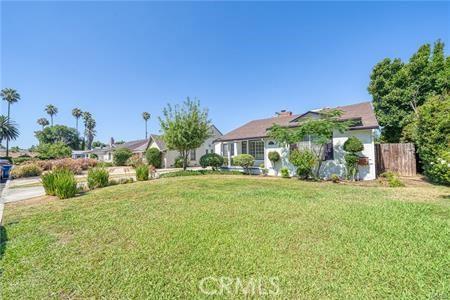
pixel 2 199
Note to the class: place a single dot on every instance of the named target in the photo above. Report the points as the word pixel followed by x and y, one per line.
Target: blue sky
pixel 242 60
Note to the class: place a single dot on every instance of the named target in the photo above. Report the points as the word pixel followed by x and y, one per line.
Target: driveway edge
pixel 2 200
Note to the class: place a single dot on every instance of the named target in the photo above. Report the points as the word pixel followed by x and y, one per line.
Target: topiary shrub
pixel 274 156
pixel 304 161
pixel 121 156
pixel 142 173
pixel 154 157
pixel 285 172
pixel 178 162
pixel 97 178
pixel 211 160
pixel 26 170
pixel 244 160
pixel 352 146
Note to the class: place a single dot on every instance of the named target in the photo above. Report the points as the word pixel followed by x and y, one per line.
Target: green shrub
pixel 121 156
pixel 353 145
pixel 392 179
pixel 97 178
pixel 53 151
pixel 154 157
pixel 285 172
pixel 178 162
pixel 48 181
pixel 211 160
pixel 274 156
pixel 142 173
pixel 60 183
pixel 244 160
pixel 27 170
pixel 433 138
pixel 304 161
pixel 335 178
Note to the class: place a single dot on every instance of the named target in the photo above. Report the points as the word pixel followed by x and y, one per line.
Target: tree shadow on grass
pixel 3 240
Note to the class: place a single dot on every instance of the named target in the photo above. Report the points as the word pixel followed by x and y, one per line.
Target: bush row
pixel 36 167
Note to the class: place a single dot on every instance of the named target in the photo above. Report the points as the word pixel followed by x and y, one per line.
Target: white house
pixel 169 156
pixel 252 138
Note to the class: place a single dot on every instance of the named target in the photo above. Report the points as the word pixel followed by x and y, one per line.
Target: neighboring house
pixel 169 156
pixel 252 138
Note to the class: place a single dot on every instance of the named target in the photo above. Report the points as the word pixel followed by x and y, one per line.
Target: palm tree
pixel 11 96
pixel 87 116
pixel 43 122
pixel 51 110
pixel 8 129
pixel 90 132
pixel 146 117
pixel 76 113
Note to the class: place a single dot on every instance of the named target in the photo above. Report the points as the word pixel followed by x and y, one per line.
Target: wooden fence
pixel 399 158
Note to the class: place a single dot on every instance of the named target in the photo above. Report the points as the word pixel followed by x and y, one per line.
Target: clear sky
pixel 242 60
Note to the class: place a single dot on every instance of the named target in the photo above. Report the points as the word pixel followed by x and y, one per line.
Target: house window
pixel 226 148
pixel 271 143
pixel 244 147
pixel 328 151
pixel 256 149
pixel 192 154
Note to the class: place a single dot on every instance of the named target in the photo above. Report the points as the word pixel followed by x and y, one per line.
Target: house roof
pixel 258 128
pixel 136 145
pixel 159 141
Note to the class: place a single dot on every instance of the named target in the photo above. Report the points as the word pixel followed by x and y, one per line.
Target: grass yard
pixel 159 239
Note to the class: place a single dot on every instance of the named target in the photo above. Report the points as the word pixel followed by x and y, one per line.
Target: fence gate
pixel 399 158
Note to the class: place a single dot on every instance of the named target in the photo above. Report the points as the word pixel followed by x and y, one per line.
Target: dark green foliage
pixel 244 160
pixel 121 156
pixel 399 89
pixel 353 145
pixel 53 151
pixel 97 178
pixel 142 173
pixel 153 157
pixel 211 160
pixel 48 181
pixel 433 138
pixel 274 156
pixel 59 133
pixel 304 161
pixel 285 172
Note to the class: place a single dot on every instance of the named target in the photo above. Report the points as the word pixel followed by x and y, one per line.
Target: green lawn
pixel 159 239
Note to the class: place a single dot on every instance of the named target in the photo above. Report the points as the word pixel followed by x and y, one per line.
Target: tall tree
pixel 51 110
pixel 8 129
pixel 86 117
pixel 146 117
pixel 43 122
pixel 10 96
pixel 59 133
pixel 398 89
pixel 90 132
pixel 185 127
pixel 76 113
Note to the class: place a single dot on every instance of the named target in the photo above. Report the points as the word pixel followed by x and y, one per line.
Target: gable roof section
pixel 258 128
pixel 133 145
pixel 159 141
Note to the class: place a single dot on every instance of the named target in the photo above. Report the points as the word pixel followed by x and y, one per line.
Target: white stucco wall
pixel 335 166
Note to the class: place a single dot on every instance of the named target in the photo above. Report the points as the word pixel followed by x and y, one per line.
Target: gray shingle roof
pixel 258 128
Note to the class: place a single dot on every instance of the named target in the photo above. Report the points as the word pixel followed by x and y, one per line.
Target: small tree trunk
pixel 185 160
